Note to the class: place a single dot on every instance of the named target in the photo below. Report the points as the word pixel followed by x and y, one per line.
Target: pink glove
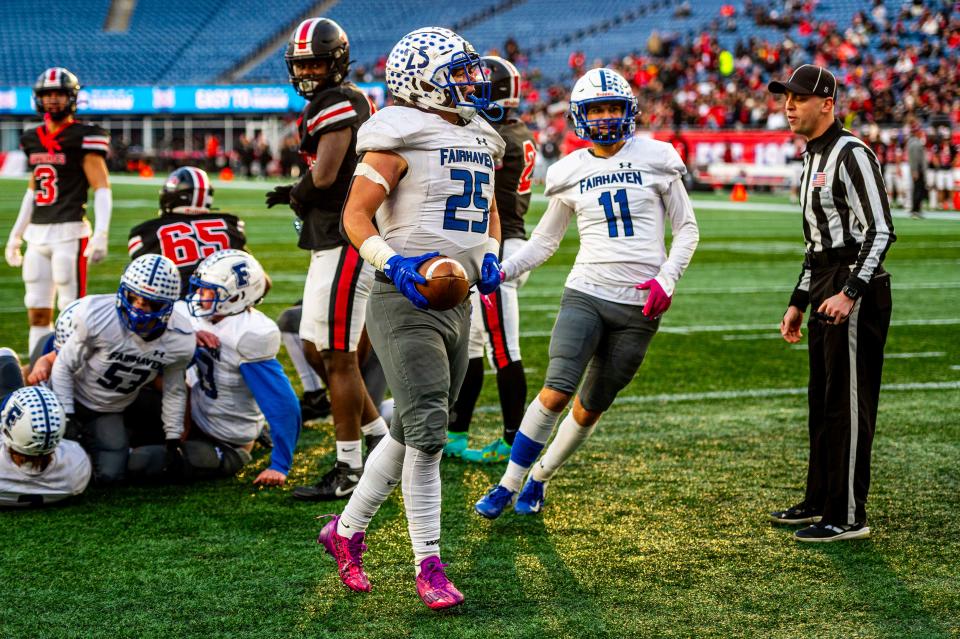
pixel 658 302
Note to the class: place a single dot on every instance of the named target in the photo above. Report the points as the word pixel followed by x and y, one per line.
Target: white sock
pixel 380 477
pixel 36 334
pixel 535 429
pixel 308 377
pixel 421 499
pixel 377 427
pixel 570 436
pixel 350 453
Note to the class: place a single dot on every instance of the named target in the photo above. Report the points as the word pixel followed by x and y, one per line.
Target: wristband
pixel 376 251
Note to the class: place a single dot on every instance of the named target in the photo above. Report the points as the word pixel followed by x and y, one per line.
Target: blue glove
pixel 402 271
pixel 490 274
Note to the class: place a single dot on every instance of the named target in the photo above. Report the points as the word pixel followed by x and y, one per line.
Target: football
pixel 447 283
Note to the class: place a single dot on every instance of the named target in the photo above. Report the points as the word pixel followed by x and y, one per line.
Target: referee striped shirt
pixel 845 205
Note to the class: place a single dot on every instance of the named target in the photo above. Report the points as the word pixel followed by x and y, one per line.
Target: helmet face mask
pixel 433 68
pixel 186 190
pixel 317 41
pixel 32 421
pixel 148 288
pixel 57 80
pixel 603 86
pixel 226 283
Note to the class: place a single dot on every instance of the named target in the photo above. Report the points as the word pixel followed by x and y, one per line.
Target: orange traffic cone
pixel 956 200
pixel 739 193
pixel 226 174
pixel 146 171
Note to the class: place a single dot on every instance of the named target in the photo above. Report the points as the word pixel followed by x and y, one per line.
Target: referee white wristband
pixel 376 251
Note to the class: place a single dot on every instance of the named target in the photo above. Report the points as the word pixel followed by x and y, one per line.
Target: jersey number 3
pixel 45 178
pixel 187 244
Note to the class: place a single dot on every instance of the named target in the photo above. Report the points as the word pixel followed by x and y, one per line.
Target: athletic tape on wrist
pixel 376 251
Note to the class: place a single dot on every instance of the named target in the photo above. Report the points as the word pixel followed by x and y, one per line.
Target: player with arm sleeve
pixel 495 320
pixel 121 343
pixel 338 281
pixel 237 383
pixel 67 158
pixel 37 466
pixel 188 229
pixel 427 176
pixel 622 190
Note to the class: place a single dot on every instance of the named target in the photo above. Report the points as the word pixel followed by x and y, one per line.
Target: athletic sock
pixel 349 452
pixel 512 384
pixel 377 427
pixel 308 377
pixel 570 436
pixel 538 423
pixel 36 334
pixel 462 412
pixel 421 500
pixel 380 477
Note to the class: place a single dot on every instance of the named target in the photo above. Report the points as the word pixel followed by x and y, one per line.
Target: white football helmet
pixel 226 283
pixel 63 329
pixel 420 71
pixel 32 421
pixel 156 279
pixel 603 85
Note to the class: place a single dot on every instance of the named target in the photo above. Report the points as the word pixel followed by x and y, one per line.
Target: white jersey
pixel 443 201
pixel 103 364
pixel 221 404
pixel 67 474
pixel 621 204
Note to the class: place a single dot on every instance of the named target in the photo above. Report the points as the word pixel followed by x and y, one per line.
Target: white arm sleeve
pixel 102 210
pixel 543 243
pixel 24 217
pixel 686 235
pixel 174 399
pixel 70 359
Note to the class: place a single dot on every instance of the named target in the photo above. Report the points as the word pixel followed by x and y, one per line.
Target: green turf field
pixel 657 528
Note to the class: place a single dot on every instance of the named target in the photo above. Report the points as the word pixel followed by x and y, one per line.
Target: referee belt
pixel 829 257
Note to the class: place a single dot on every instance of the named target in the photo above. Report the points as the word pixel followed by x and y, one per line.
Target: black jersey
pixel 187 238
pixel 333 109
pixel 513 179
pixel 56 161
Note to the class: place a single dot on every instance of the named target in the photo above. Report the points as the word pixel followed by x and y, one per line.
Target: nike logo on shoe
pixel 343 492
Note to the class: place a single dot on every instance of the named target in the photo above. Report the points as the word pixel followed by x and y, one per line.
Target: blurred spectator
pixel 917 159
pixel 245 154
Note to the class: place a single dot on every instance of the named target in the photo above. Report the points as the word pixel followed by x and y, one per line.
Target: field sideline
pixel 656 529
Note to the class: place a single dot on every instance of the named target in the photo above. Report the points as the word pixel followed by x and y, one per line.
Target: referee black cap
pixel 808 79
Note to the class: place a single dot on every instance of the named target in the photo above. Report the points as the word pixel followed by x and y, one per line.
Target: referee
pixel 848 230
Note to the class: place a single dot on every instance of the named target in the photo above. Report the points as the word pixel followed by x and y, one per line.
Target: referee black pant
pixel 844 390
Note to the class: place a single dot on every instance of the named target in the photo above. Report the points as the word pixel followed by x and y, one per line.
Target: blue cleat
pixel 493 503
pixel 456 444
pixel 531 497
pixel 494 453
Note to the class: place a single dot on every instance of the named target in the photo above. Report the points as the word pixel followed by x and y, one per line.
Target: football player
pixel 37 466
pixel 622 190
pixel 427 175
pixel 119 344
pixel 236 367
pixel 187 230
pixel 495 321
pixel 67 158
pixel 338 282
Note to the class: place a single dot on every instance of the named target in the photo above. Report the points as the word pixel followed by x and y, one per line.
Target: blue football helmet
pixel 154 278
pixel 603 85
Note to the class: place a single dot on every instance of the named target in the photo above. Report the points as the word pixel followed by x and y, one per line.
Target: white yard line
pixel 921 355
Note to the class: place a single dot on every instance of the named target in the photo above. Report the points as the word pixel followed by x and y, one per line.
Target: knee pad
pixel 206 460
pixel 63 265
pixel 147 461
pixel 289 320
pixel 37 280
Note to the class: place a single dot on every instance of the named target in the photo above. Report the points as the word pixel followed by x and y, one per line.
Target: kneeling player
pixel 238 381
pixel 188 230
pixel 621 191
pixel 36 467
pixel 119 344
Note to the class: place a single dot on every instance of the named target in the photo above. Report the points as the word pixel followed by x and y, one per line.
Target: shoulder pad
pixel 492 137
pixel 396 127
pixel 258 338
pixel 94 138
pixel 561 173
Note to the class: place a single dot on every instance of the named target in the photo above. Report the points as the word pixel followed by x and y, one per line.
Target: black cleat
pixel 338 483
pixel 315 405
pixel 832 532
pixel 796 515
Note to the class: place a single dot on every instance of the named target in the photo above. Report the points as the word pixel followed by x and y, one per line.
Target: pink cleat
pixel 348 554
pixel 433 586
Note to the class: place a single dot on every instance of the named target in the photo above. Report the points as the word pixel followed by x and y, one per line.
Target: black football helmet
pixel 504 82
pixel 317 39
pixel 187 190
pixel 57 79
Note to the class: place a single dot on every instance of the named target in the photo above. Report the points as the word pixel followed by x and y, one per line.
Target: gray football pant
pixel 424 357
